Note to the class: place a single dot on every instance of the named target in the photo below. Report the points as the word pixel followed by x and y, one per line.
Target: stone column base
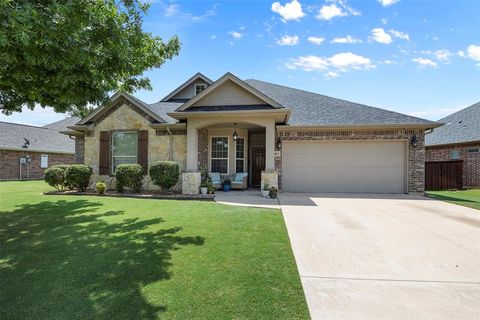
pixel 191 182
pixel 271 178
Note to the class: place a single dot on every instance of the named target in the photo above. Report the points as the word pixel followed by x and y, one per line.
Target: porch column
pixel 192 145
pixel 270 146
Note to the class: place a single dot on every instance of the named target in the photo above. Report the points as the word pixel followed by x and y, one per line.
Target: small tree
pixel 164 174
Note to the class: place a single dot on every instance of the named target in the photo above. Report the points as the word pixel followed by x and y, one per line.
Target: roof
pixel 461 126
pixel 193 78
pixel 310 108
pixel 62 125
pixel 41 138
pixel 163 108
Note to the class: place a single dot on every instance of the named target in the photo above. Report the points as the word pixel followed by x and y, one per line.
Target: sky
pixel 421 58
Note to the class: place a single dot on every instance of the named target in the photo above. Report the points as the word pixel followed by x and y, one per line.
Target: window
pixel 124 148
pixel 454 154
pixel 219 155
pixel 473 150
pixel 199 88
pixel 240 155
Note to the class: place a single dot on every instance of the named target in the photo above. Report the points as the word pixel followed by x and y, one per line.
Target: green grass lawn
pixel 468 198
pixel 76 257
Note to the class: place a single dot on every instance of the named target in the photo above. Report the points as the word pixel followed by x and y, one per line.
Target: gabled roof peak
pixel 192 79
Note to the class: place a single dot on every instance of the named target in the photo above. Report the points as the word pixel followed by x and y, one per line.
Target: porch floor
pixel 248 198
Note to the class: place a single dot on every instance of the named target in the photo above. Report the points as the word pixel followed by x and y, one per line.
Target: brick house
pixel 458 139
pixel 26 151
pixel 296 140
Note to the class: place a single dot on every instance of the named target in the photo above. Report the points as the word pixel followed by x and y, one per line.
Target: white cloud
pixel 332 66
pixel 337 9
pixel 288 40
pixel 236 34
pixel 399 34
pixel 316 40
pixel 389 62
pixel 387 3
pixel 213 36
pixel 424 62
pixel 347 39
pixel 473 52
pixel 171 10
pixel 290 11
pixel 461 54
pixel 379 35
pixel 443 55
pixel 384 21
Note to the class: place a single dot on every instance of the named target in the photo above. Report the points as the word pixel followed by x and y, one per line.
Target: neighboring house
pixel 294 139
pixel 26 151
pixel 458 139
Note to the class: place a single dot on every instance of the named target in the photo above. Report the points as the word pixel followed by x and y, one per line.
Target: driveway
pixel 385 257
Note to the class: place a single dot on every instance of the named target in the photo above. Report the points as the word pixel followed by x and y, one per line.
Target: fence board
pixel 444 175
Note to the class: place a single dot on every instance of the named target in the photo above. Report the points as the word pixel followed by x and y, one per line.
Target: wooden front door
pixel 258 164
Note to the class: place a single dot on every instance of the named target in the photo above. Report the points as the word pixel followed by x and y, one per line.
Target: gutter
pixel 185 114
pixel 36 150
pixel 358 126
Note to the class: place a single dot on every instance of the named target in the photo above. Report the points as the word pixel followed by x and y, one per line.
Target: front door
pixel 258 164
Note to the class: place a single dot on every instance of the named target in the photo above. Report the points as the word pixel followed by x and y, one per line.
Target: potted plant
pixel 210 188
pixel 204 187
pixel 273 193
pixel 265 190
pixel 226 184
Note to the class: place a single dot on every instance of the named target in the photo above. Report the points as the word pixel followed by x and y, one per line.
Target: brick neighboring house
pixel 296 140
pixel 458 139
pixel 26 151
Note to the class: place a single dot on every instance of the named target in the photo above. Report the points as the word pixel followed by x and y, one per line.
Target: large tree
pixel 68 54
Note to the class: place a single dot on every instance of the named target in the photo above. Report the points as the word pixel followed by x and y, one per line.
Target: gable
pixel 188 92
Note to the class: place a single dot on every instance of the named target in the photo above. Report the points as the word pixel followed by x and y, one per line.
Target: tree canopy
pixel 69 54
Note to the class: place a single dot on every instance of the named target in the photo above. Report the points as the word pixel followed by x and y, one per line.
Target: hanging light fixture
pixel 414 141
pixel 235 134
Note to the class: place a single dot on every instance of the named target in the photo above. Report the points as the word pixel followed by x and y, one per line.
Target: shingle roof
pixel 41 138
pixel 162 108
pixel 462 126
pixel 62 125
pixel 310 108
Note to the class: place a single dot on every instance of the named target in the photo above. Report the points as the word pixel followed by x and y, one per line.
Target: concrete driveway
pixel 385 257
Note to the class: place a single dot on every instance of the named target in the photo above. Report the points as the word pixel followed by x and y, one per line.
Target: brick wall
pixel 416 159
pixel 471 160
pixel 10 164
pixel 80 149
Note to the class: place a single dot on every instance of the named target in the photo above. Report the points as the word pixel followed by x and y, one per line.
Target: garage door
pixel 350 166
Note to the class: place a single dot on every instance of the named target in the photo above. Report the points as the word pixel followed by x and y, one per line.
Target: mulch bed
pixel 142 195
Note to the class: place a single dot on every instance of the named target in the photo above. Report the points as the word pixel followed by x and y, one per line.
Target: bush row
pixel 68 177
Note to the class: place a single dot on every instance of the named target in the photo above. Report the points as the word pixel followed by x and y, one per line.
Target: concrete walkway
pixel 247 198
pixel 385 257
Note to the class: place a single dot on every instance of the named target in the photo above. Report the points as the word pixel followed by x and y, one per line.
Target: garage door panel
pixel 356 166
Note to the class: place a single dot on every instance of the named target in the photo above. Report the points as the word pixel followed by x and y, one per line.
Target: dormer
pixel 190 88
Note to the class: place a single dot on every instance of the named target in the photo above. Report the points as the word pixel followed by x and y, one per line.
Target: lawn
pixel 468 198
pixel 74 257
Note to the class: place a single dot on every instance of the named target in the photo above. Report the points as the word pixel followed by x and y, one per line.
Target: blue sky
pixel 416 57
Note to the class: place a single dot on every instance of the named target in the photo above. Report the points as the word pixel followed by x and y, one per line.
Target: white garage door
pixel 350 166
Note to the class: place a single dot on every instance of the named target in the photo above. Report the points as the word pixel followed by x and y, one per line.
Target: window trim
pixel 244 154
pixel 473 149
pixel 228 153
pixel 204 85
pixel 112 157
pixel 455 150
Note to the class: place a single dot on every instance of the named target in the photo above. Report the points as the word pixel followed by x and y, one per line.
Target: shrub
pixel 164 174
pixel 130 176
pixel 77 176
pixel 55 176
pixel 101 187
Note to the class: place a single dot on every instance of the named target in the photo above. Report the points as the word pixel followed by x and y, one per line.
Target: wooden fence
pixel 444 175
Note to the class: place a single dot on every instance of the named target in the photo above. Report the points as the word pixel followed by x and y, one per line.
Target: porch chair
pixel 240 181
pixel 216 180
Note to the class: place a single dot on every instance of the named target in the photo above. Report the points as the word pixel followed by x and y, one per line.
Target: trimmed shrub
pixel 101 187
pixel 164 174
pixel 77 176
pixel 55 176
pixel 130 176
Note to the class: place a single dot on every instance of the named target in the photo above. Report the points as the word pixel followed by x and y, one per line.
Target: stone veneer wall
pixel 202 148
pixel 10 164
pixel 125 117
pixel 416 156
pixel 471 160
pixel 79 149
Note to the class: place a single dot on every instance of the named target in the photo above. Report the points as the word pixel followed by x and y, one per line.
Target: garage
pixel 377 166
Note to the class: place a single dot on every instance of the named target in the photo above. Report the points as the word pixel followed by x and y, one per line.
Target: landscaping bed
pixel 129 194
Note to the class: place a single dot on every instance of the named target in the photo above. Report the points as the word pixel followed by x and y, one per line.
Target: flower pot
pixel 204 190
pixel 265 193
pixel 226 187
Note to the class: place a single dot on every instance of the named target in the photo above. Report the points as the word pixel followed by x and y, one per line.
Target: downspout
pixel 170 147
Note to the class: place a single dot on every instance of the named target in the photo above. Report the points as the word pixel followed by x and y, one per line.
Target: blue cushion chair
pixel 240 181
pixel 216 180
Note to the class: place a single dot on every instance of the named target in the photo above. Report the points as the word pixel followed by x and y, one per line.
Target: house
pixel 458 139
pixel 26 151
pixel 296 140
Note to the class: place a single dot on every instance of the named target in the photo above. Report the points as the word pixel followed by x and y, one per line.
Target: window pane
pixel 125 144
pixel 454 154
pixel 240 150
pixel 219 147
pixel 219 165
pixel 239 166
pixel 199 88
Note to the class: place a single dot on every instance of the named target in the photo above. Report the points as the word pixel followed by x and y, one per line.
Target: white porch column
pixel 270 146
pixel 192 146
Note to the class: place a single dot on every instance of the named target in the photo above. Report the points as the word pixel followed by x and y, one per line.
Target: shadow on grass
pixel 62 260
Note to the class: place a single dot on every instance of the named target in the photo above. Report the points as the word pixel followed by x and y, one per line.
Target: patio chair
pixel 216 180
pixel 240 181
